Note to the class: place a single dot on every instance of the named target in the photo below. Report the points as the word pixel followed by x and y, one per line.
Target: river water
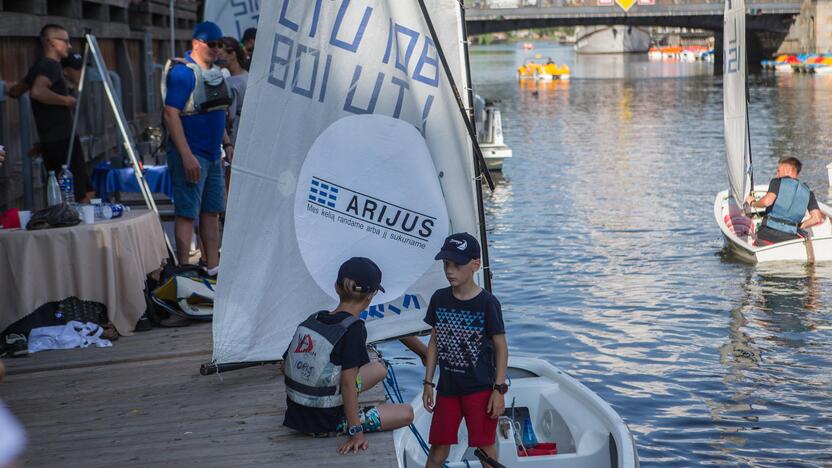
pixel 606 256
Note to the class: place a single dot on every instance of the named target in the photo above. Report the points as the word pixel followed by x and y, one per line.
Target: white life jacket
pixel 211 90
pixel 312 380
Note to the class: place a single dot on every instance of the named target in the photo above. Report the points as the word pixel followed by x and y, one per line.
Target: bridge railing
pixel 496 4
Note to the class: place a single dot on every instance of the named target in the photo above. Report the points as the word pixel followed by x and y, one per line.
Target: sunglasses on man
pixel 213 44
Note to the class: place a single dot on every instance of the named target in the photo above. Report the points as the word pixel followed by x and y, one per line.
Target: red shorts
pixel 448 413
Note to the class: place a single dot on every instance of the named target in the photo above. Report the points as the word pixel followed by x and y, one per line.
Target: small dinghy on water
pixel 573 427
pixel 739 226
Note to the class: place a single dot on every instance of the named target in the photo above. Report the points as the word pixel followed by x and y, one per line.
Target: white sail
pixel 735 111
pixel 232 16
pixel 350 144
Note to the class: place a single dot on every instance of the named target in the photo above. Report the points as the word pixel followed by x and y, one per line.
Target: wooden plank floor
pixel 143 403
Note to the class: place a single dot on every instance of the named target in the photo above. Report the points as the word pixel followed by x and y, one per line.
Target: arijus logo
pixel 368 187
pixel 372 214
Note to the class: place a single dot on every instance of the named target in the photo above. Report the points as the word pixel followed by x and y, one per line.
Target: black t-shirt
pixel 349 352
pixel 463 340
pixel 774 187
pixel 54 122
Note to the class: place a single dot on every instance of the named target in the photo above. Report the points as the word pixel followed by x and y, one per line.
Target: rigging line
pixel 471 133
pixel 486 259
pixel 483 168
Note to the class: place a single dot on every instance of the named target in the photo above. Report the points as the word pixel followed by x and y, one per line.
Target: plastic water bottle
pixel 53 190
pixel 67 184
pixel 529 438
pixel 117 209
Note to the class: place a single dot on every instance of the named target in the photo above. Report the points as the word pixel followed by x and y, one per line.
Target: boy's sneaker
pixel 16 345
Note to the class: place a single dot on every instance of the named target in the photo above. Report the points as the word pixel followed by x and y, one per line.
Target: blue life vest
pixel 789 206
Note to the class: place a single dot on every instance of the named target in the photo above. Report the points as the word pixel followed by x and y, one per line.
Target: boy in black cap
pixel 468 342
pixel 326 366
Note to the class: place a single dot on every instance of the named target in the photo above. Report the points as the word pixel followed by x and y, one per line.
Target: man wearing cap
pixel 52 106
pixel 327 365
pixel 196 98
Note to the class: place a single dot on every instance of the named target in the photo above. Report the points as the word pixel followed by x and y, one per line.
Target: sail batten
pixel 350 144
pixel 735 99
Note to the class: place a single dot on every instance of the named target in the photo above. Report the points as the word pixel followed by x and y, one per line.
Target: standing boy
pixel 468 341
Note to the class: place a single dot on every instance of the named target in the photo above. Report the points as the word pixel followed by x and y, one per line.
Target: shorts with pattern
pixel 369 417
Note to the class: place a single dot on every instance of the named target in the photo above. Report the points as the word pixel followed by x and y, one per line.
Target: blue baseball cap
pixel 459 248
pixel 365 273
pixel 207 31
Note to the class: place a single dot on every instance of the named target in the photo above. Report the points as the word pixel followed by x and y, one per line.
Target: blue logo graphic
pixel 409 301
pixel 323 193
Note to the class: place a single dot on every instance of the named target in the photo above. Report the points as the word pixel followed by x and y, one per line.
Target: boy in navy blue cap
pixel 468 342
pixel 326 366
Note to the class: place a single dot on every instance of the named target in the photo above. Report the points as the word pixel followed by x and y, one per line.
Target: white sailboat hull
pixel 587 431
pixel 738 232
pixel 495 155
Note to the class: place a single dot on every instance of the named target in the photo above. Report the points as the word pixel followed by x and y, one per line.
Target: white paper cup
pixel 88 214
pixel 23 216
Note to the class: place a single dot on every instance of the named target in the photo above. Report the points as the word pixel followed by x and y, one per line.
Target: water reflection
pixel 789 301
pixel 603 250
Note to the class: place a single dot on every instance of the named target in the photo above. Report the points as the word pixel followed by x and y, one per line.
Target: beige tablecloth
pixel 105 262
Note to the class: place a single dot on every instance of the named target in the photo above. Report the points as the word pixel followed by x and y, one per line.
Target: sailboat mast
pixel 483 169
pixel 747 124
pixel 469 86
pixel 479 161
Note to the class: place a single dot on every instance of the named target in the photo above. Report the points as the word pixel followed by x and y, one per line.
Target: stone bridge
pixel 768 22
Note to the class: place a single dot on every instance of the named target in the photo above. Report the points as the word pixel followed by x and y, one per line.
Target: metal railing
pixel 507 4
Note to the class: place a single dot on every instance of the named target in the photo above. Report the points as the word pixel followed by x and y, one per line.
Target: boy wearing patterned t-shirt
pixel 468 342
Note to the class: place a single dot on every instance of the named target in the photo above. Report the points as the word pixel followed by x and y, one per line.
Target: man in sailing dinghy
pixel 786 202
pixel 469 342
pixel 327 365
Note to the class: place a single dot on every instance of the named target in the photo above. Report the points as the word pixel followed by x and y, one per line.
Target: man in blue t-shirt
pixel 197 134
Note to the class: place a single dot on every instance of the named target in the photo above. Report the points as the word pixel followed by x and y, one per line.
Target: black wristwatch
pixel 353 430
pixel 502 388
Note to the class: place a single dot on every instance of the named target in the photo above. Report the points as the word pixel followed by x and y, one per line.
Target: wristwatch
pixel 502 388
pixel 353 430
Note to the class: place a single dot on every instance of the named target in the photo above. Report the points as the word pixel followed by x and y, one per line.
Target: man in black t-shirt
pixel 52 107
pixel 785 212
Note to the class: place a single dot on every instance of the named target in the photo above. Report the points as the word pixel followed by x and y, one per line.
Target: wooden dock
pixel 143 403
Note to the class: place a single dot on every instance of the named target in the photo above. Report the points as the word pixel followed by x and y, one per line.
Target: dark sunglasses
pixel 213 44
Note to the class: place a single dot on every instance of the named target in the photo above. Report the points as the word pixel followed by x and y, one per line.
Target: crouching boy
pixel 468 342
pixel 326 366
